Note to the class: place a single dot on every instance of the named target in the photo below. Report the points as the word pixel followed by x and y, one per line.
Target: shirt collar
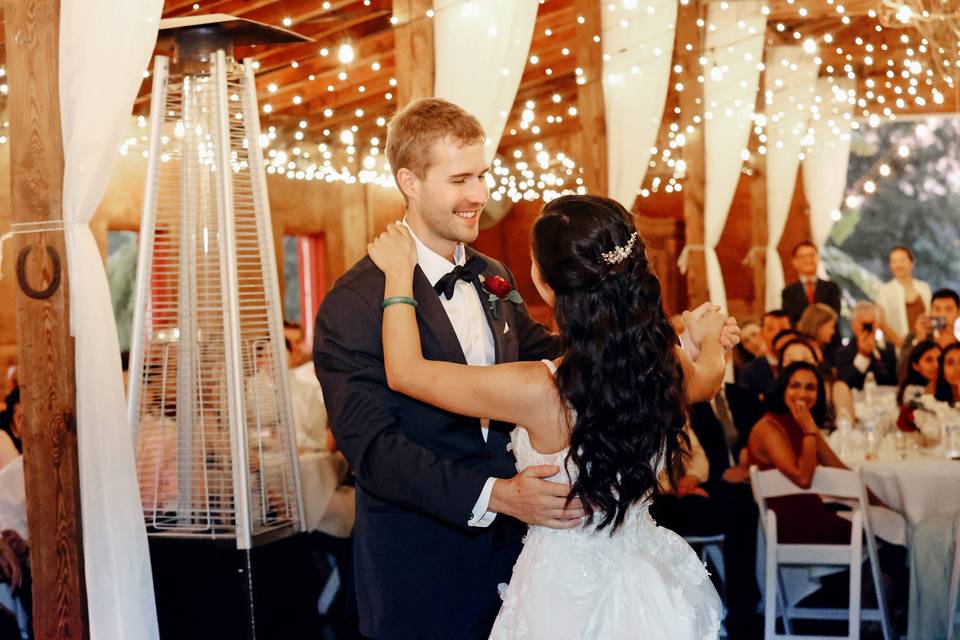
pixel 434 265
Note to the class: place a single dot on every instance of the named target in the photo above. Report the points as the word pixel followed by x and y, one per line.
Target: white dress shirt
pixel 465 310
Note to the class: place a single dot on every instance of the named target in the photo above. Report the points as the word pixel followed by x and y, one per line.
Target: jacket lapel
pixel 433 316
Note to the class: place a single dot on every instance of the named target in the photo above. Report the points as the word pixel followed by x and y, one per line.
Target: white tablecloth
pixel 328 506
pixel 919 486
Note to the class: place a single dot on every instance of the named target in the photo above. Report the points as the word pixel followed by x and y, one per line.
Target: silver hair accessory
pixel 619 254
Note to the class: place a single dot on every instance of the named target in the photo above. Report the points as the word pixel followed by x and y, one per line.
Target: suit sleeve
pixel 536 342
pixel 852 376
pixel 363 412
pixel 834 300
pixel 787 305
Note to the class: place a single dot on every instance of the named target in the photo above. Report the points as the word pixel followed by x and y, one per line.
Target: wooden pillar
pixel 355 232
pixel 590 108
pixel 758 228
pixel 46 350
pixel 413 50
pixel 689 48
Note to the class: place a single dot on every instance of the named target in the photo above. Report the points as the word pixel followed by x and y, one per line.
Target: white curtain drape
pixel 790 84
pixel 826 162
pixel 105 46
pixel 734 51
pixel 481 50
pixel 637 50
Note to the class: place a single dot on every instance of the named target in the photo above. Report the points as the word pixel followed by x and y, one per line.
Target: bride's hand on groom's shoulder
pixel 394 251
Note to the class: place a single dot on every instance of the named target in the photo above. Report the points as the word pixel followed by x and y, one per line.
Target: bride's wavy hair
pixel 619 373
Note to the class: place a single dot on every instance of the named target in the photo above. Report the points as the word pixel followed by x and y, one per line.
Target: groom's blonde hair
pixel 419 125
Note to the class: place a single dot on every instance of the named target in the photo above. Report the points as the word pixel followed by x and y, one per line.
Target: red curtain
pixel 311 262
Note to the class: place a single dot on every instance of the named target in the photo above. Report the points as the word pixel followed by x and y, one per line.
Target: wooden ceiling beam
pixel 783 10
pixel 375 18
pixel 310 90
pixel 373 48
pixel 338 100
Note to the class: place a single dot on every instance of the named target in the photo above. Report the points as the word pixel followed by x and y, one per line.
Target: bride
pixel 610 413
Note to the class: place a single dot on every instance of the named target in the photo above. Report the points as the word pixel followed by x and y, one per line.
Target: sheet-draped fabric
pixel 105 46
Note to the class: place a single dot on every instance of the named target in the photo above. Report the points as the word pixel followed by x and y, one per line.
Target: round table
pixel 921 485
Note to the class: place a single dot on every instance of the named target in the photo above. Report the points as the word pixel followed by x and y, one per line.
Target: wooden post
pixel 413 45
pixel 758 228
pixel 593 131
pixel 46 350
pixel 689 48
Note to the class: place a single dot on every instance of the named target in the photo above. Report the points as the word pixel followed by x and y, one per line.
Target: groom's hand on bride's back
pixel 527 496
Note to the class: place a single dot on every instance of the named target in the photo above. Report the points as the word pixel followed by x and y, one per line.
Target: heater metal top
pixel 241 31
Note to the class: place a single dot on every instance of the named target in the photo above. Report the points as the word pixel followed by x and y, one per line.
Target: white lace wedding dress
pixel 642 583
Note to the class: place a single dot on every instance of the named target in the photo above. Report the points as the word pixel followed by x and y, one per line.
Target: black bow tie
pixel 467 272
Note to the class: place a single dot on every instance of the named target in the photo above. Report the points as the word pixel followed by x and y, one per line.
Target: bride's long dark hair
pixel 619 373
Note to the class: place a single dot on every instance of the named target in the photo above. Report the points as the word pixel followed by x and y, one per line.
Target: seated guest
pixel 922 372
pixel 298 351
pixel 808 289
pixel 8 450
pixel 919 378
pixel 751 347
pixel 903 299
pixel 759 375
pixel 672 509
pixel 309 410
pixel 788 438
pixel 15 586
pixel 702 503
pixel 865 353
pixel 839 396
pixel 948 384
pixel 818 324
pixel 938 325
pixel 11 419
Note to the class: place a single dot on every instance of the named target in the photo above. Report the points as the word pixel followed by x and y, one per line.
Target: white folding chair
pixel 954 588
pixel 711 548
pixel 840 483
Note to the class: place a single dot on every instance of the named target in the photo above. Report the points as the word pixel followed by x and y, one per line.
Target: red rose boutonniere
pixel 499 288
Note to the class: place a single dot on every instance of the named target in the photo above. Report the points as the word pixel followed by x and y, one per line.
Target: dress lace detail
pixel 644 581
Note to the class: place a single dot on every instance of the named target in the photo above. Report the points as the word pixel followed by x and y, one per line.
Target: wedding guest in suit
pixel 808 289
pixel 939 325
pixel 903 299
pixel 866 353
pixel 758 375
pixel 751 347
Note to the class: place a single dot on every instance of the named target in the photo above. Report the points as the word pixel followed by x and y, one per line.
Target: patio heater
pixel 209 404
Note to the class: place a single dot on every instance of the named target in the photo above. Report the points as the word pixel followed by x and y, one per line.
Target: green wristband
pixel 398 300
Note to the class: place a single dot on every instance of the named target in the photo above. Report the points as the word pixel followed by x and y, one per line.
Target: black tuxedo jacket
pixel 421 571
pixel 758 377
pixel 884 369
pixel 794 298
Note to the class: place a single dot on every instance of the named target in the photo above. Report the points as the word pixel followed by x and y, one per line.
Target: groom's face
pixel 449 198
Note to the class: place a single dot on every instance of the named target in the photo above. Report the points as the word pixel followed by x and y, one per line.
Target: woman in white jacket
pixel 902 299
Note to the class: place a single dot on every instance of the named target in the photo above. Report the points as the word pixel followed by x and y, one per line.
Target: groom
pixel 440 507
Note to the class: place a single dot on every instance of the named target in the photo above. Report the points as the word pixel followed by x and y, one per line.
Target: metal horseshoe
pixel 51 288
